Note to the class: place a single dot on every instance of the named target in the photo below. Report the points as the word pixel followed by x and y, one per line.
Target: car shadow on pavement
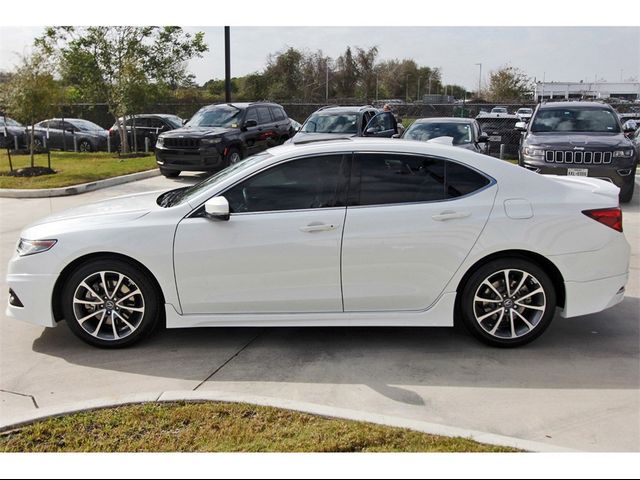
pixel 599 351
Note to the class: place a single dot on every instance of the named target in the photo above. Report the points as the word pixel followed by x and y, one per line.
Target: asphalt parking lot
pixel 577 386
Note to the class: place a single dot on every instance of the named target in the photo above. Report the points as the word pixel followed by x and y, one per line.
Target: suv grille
pixel 570 156
pixel 181 142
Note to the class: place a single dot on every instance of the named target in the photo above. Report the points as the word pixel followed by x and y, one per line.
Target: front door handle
pixel 318 227
pixel 448 215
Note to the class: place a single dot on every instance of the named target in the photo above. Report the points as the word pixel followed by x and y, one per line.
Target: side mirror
pixel 217 208
pixel 521 126
pixel 483 138
pixel 396 135
pixel 250 123
pixel 370 131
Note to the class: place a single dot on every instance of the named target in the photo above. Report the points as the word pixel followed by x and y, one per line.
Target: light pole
pixel 418 95
pixel 326 88
pixel 430 84
pixel 376 88
pixel 227 65
pixel 406 97
pixel 479 79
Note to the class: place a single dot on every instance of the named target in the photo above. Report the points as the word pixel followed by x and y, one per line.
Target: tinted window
pixel 252 114
pixel 327 122
pixel 299 184
pixel 424 131
pixel 264 116
pixel 381 122
pixel 155 122
pixel 278 114
pixel 218 116
pixel 392 179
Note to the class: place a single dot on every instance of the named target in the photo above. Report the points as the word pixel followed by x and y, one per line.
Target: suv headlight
pixel 31 247
pixel 160 141
pixel 534 151
pixel 626 153
pixel 210 141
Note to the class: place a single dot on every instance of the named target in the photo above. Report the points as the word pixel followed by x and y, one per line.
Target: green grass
pixel 72 168
pixel 220 427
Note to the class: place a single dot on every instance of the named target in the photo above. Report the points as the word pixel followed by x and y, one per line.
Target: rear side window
pixel 263 115
pixel 386 179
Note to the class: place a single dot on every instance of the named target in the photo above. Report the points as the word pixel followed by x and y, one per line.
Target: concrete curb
pixel 311 408
pixel 76 189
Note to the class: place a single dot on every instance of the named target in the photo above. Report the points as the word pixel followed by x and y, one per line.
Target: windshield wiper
pixel 171 197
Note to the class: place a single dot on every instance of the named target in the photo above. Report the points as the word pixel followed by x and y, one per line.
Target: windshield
pixel 184 194
pixel 220 116
pixel 86 125
pixel 460 132
pixel 10 122
pixel 327 122
pixel 575 120
pixel 174 120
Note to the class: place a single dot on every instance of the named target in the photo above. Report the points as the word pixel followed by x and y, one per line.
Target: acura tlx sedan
pixel 351 232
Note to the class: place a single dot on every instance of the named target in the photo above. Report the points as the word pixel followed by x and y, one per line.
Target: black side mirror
pixel 250 123
pixel 483 138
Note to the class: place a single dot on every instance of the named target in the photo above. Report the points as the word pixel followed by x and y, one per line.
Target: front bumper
pixel 617 173
pixel 35 292
pixel 196 160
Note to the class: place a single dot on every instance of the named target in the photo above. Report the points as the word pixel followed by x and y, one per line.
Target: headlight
pixel 534 151
pixel 623 153
pixel 30 247
pixel 160 141
pixel 211 141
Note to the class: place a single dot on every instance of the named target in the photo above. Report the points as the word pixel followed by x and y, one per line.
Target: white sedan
pixel 351 232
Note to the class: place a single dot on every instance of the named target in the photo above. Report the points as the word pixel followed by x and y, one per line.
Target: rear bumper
pixel 197 160
pixel 583 298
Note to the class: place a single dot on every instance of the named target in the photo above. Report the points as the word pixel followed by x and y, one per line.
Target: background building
pixel 586 90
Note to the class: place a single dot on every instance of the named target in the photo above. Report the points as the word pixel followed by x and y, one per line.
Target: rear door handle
pixel 318 227
pixel 450 216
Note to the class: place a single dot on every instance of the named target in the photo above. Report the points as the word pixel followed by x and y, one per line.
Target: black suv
pixel 581 139
pixel 357 121
pixel 220 135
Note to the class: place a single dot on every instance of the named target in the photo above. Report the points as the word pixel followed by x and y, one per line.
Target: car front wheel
pixel 626 191
pixel 508 302
pixel 109 303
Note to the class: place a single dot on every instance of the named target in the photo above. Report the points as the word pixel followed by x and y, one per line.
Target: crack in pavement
pixel 228 360
pixel 33 399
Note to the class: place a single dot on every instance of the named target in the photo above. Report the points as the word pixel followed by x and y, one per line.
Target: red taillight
pixel 611 217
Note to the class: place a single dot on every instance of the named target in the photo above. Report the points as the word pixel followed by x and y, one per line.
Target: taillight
pixel 611 217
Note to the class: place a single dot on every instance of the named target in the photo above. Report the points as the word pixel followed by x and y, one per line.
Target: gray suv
pixel 582 139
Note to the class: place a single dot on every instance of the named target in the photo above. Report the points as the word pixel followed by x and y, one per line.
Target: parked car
pixel 60 133
pixel 146 126
pixel 636 142
pixel 355 232
pixel 464 132
pixel 501 129
pixel 524 113
pixel 501 110
pixel 582 139
pixel 220 135
pixel 10 130
pixel 354 121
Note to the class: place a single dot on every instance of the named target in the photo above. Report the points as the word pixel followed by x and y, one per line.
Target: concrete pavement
pixel 576 387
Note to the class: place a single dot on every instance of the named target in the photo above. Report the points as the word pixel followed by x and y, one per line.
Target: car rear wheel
pixel 508 302
pixel 85 146
pixel 109 303
pixel 170 173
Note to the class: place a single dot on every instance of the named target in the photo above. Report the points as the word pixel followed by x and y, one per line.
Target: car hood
pixel 119 209
pixel 196 132
pixel 585 140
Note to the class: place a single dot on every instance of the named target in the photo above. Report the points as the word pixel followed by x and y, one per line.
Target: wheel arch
pixel 547 265
pixel 56 300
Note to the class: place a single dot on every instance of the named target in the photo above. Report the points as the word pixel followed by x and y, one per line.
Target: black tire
pixel 148 300
pixel 170 173
pixel 473 312
pixel 233 156
pixel 626 191
pixel 85 146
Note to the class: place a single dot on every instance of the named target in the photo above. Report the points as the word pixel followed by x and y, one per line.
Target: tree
pixel 31 93
pixel 508 83
pixel 119 65
pixel 366 60
pixel 346 75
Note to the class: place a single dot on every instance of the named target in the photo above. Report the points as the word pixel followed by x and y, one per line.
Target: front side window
pixel 599 120
pixel 84 125
pixel 325 122
pixel 313 182
pixel 386 179
pixel 381 122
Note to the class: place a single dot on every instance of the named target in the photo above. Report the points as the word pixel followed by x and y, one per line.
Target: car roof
pixel 241 105
pixel 580 104
pixel 345 108
pixel 444 119
pixel 487 116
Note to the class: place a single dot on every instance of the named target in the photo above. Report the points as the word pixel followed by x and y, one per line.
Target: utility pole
pixel 326 84
pixel 430 84
pixel 406 99
pixel 376 88
pixel 418 95
pixel 479 79
pixel 227 65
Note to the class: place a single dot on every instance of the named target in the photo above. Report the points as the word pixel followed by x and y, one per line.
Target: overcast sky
pixel 557 53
